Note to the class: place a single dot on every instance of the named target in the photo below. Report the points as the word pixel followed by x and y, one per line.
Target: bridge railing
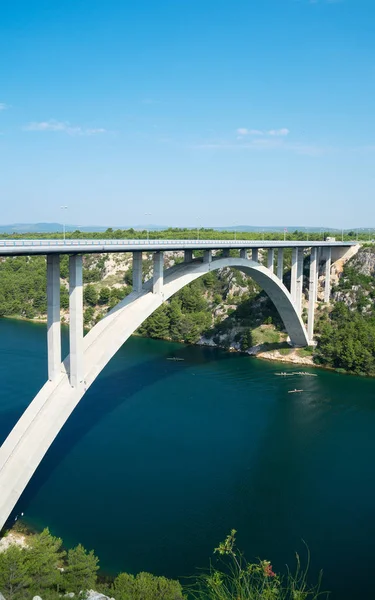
pixel 151 243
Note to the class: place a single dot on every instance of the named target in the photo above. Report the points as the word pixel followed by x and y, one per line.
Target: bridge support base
pixel 280 263
pixel 188 256
pixel 53 316
pixel 270 259
pixel 312 294
pixel 327 284
pixel 299 288
pixel 137 271
pixel 207 256
pixel 293 275
pixel 158 260
pixel 255 254
pixel 76 320
pixel 243 253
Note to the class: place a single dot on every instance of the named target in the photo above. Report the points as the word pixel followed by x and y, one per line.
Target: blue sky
pixel 200 112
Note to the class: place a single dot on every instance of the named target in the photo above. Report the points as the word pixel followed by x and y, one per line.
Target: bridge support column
pixel 299 290
pixel 312 294
pixel 76 320
pixel 270 258
pixel 188 256
pixel 207 256
pixel 280 263
pixel 255 254
pixel 293 275
pixel 226 253
pixel 243 253
pixel 53 315
pixel 327 283
pixel 158 275
pixel 137 271
pixel 318 255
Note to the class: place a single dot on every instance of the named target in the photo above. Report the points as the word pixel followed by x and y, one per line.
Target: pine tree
pixel 43 559
pixel 80 573
pixel 14 577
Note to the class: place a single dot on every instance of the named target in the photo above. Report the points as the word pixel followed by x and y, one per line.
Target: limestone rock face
pixel 364 262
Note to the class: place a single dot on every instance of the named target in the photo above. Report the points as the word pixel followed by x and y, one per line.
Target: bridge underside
pixel 36 430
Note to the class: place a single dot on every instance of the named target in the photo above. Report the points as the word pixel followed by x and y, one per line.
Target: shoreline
pixel 262 353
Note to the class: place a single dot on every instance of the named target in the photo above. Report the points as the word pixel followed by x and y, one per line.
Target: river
pixel 162 458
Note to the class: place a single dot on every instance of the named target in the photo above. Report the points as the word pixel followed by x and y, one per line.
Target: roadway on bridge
pixel 28 247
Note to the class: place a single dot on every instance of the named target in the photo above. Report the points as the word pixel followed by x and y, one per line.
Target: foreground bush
pixel 240 580
pixel 44 569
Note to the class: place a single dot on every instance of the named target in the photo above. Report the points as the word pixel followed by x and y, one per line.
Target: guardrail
pixel 138 242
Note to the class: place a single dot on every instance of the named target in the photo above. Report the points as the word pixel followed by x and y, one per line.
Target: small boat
pixel 294 391
pixel 175 358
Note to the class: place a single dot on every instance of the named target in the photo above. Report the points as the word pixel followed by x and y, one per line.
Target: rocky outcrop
pixel 364 262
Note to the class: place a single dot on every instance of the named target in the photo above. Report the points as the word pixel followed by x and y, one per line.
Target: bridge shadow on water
pixel 112 389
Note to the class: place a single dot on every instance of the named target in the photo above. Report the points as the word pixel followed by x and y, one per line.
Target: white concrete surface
pixel 53 316
pixel 75 320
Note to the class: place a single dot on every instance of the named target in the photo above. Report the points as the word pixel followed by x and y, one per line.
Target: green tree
pixel 146 587
pixel 175 316
pixel 81 571
pixel 157 325
pixel 247 340
pixel 43 558
pixel 88 315
pixel 14 575
pixel 105 295
pixel 90 295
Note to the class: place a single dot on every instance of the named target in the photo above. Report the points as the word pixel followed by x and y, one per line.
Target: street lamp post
pixel 64 208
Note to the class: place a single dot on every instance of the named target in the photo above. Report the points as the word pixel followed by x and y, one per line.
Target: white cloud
pixel 63 126
pixel 3 106
pixel 242 131
pixel 279 132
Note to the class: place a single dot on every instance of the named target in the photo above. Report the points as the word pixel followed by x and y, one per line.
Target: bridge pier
pixel 226 253
pixel 255 254
pixel 312 293
pixel 280 263
pixel 243 253
pixel 137 271
pixel 207 256
pixel 327 282
pixel 53 316
pixel 188 256
pixel 299 289
pixel 75 320
pixel 270 259
pixel 293 275
pixel 158 274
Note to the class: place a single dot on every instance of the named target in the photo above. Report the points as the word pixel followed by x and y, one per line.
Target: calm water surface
pixel 161 459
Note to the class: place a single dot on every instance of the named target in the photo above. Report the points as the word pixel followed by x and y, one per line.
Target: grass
pixel 266 334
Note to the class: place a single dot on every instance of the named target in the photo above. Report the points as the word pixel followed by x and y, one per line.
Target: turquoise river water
pixel 161 459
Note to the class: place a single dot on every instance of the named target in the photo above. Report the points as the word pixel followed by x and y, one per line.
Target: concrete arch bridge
pixel 68 380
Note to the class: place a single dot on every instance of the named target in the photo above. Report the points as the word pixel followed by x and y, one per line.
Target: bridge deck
pixel 28 247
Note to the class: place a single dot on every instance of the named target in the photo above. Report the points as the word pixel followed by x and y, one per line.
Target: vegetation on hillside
pixel 45 569
pixel 347 332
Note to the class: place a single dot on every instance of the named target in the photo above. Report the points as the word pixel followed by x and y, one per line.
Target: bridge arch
pixel 29 440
